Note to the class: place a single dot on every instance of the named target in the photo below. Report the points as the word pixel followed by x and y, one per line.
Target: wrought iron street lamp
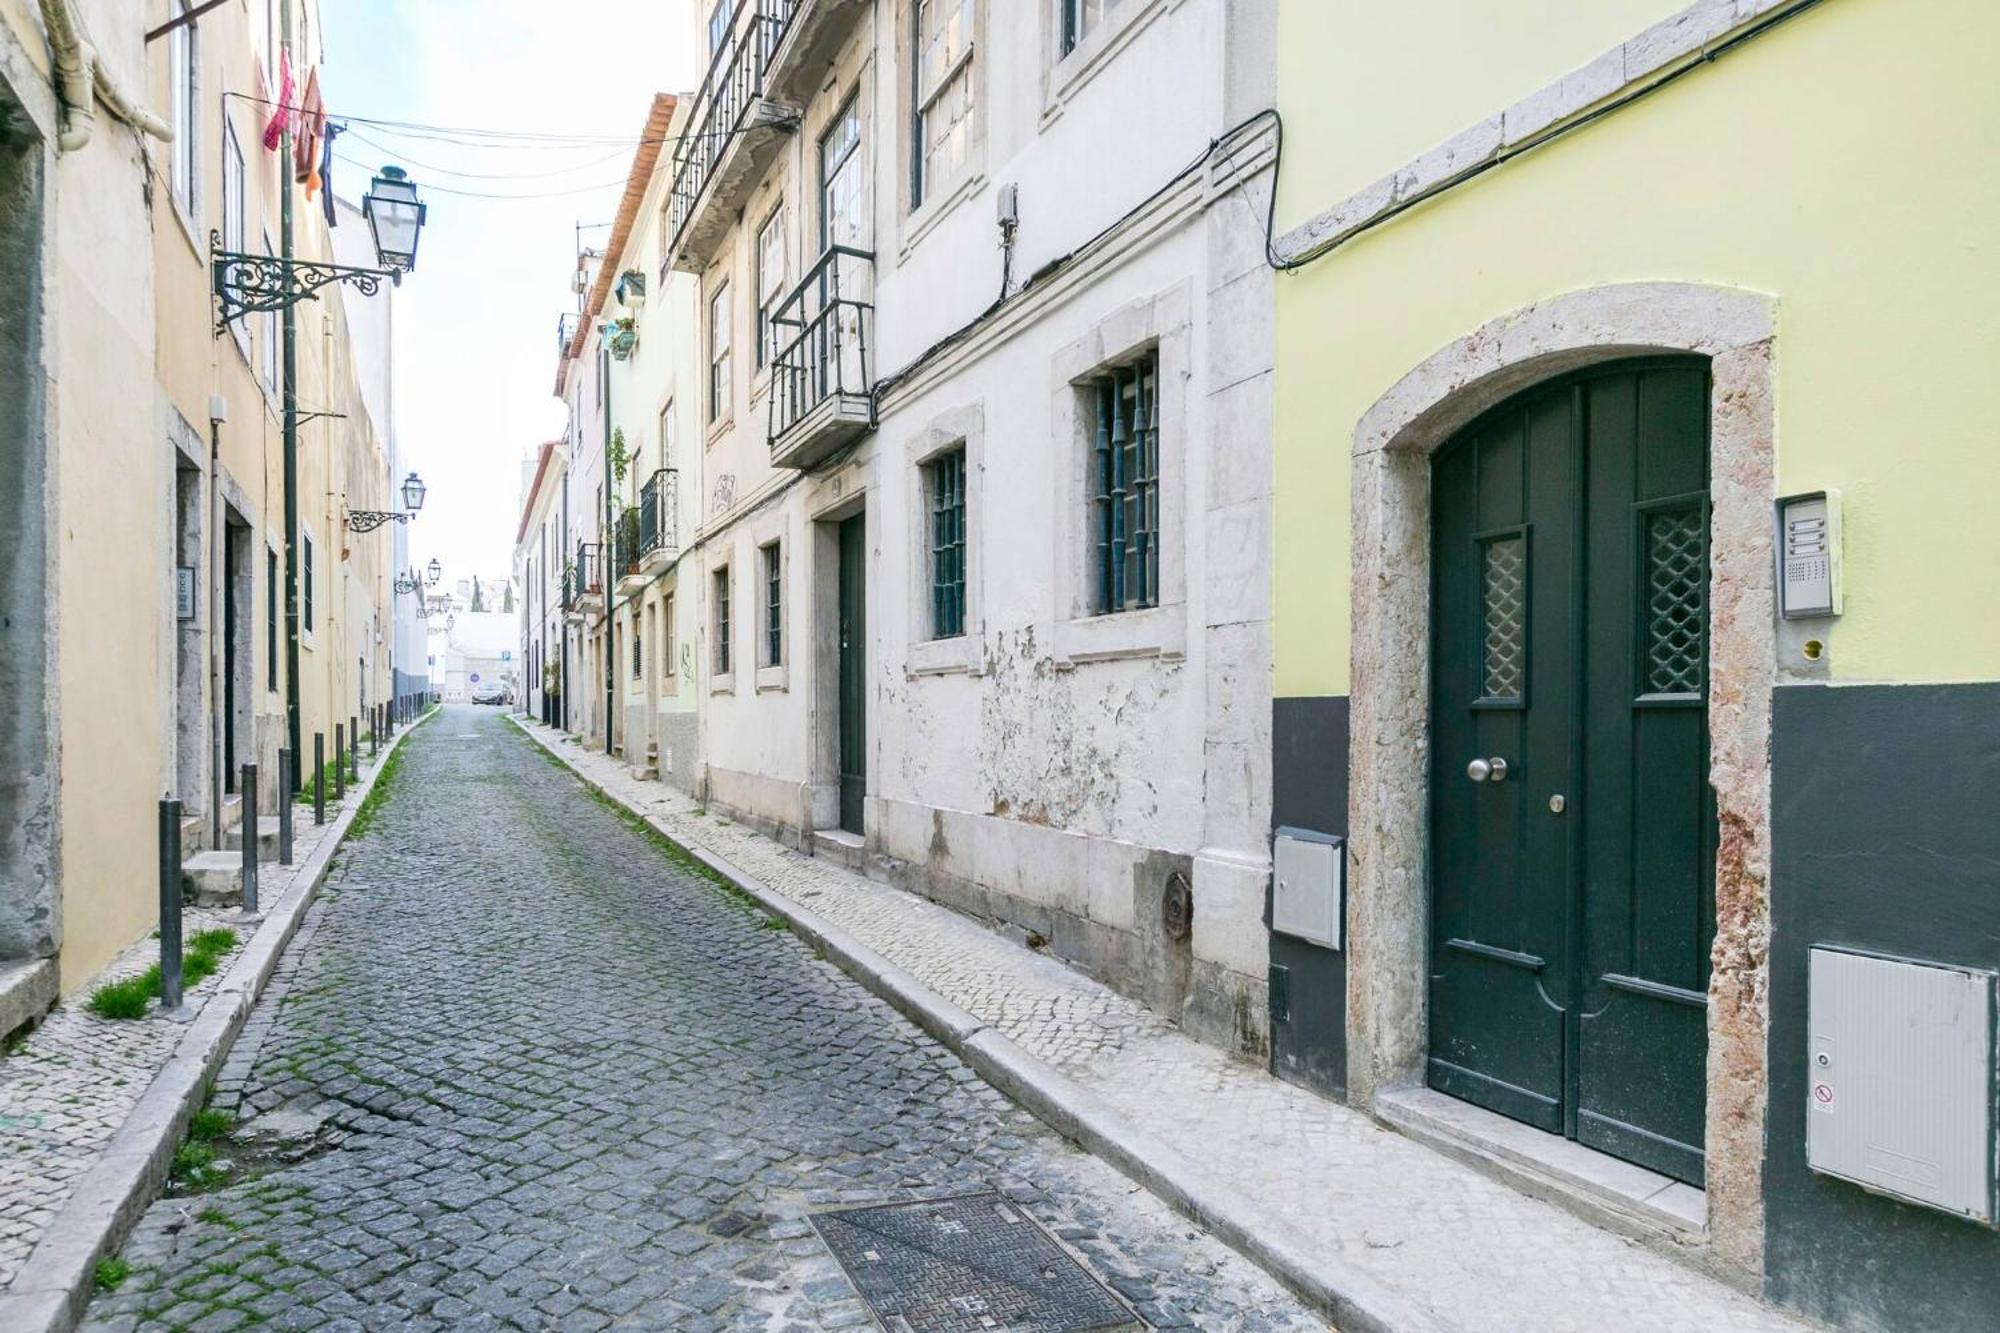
pixel 435 571
pixel 395 219
pixel 367 520
pixel 408 583
pixel 246 284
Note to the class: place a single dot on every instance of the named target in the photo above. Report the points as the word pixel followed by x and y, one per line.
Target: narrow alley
pixel 540 1074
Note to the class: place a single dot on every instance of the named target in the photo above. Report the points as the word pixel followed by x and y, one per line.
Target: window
pixel 719 387
pixel 770 284
pixel 183 63
pixel 1080 18
pixel 840 199
pixel 234 232
pixel 232 188
pixel 667 658
pixel 1125 486
pixel 770 557
pixel 722 621
pixel 667 440
pixel 305 582
pixel 268 363
pixel 718 25
pixel 944 486
pixel 941 76
pixel 638 643
pixel 270 619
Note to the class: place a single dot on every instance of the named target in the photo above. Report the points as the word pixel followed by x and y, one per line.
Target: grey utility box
pixel 1308 885
pixel 1899 1088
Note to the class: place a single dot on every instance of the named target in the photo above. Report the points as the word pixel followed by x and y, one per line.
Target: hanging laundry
pixel 306 137
pixel 281 115
pixel 326 174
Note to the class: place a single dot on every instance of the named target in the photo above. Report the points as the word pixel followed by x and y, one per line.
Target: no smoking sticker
pixel 1823 1094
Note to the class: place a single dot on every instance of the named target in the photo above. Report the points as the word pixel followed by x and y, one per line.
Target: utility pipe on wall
pixel 83 81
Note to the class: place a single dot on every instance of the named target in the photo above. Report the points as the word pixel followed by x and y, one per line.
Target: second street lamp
pixel 367 520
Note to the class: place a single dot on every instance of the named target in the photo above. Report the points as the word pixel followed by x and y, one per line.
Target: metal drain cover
pixel 975 1264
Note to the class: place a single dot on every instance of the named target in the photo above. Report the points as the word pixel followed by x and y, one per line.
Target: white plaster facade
pixel 1070 774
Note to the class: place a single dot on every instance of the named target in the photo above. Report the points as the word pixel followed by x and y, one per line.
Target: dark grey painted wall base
pixel 1309 983
pixel 1885 837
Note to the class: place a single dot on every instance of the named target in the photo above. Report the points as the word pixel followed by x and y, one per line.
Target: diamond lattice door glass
pixel 1573 828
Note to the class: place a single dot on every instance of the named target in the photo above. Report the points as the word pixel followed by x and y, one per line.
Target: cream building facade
pixel 144 529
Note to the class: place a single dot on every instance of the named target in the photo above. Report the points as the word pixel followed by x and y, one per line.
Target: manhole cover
pixel 967 1265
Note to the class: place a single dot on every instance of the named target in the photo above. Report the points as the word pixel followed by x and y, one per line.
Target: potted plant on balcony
pixel 623 339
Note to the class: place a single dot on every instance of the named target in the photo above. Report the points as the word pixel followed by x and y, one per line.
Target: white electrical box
pixel 1899 1083
pixel 1809 555
pixel 1308 885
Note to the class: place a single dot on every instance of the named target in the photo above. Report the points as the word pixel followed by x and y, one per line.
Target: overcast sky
pixel 476 323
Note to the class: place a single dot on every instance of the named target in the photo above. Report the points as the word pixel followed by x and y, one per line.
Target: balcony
pixel 659 532
pixel 822 386
pixel 808 42
pixel 625 545
pixel 731 138
pixel 583 586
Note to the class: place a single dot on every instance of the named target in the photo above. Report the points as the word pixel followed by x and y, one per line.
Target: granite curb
pixel 54 1287
pixel 1356 1302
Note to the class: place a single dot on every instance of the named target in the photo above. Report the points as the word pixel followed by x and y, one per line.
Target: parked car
pixel 489 692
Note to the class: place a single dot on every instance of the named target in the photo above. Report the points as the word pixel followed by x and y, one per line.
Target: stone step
pixel 27 990
pixel 267 838
pixel 213 879
pixel 191 831
pixel 840 847
pixel 232 812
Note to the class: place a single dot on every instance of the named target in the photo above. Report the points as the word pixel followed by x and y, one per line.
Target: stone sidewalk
pixel 1385 1230
pixel 69 1089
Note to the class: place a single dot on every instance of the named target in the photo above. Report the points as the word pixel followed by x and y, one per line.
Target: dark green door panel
pixel 1570 939
pixel 853 672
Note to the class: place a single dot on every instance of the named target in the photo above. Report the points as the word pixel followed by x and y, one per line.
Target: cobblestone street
pixel 539 1074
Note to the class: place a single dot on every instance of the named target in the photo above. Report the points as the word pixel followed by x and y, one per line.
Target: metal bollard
pixel 248 786
pixel 374 733
pixel 284 807
pixel 339 762
pixel 319 777
pixel 170 903
pixel 354 747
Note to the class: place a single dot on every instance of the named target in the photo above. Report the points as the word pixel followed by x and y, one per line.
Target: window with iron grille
pixel 270 619
pixel 1125 486
pixel 770 283
pixel 774 612
pixel 183 75
pixel 944 485
pixel 1080 18
pixel 668 657
pixel 722 622
pixel 941 81
pixel 718 354
pixel 638 643
pixel 305 581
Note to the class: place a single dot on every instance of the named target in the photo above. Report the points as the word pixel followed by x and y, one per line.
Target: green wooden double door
pixel 1573 826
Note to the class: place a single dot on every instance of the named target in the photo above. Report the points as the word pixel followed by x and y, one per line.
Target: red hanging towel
pixel 281 115
pixel 305 140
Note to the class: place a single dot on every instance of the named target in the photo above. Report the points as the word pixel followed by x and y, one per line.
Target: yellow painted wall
pixel 1372 85
pixel 1847 163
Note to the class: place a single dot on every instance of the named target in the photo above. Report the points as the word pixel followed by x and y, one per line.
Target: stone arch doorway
pixel 1391 764
pixel 1572 825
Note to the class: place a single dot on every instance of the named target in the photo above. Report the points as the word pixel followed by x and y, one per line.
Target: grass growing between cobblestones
pixel 111 1274
pixel 645 828
pixel 126 999
pixel 364 818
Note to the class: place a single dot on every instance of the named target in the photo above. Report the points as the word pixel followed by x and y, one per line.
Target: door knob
pixel 1487 770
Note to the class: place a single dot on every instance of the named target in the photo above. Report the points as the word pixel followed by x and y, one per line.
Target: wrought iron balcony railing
pixel 658 503
pixel 582 578
pixel 733 86
pixel 821 378
pixel 625 543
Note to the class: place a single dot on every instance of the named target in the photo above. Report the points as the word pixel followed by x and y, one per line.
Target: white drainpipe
pixel 84 81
